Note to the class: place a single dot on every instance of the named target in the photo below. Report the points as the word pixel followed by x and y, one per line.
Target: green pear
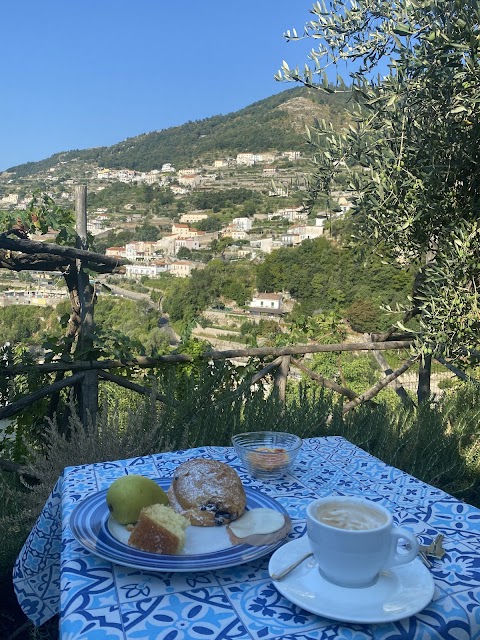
pixel 127 496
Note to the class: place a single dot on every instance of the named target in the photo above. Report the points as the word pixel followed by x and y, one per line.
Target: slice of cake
pixel 159 529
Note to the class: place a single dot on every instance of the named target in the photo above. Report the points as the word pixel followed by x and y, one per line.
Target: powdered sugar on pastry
pixel 207 492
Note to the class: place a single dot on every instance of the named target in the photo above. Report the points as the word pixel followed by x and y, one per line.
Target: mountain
pixel 274 123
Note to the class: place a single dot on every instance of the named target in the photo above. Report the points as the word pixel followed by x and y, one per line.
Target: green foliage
pixel 184 253
pixel 449 296
pixel 345 368
pixel 120 194
pixel 357 372
pixel 124 327
pixel 41 215
pixel 209 224
pixel 323 276
pixel 222 199
pixel 21 323
pixel 147 232
pixel 112 239
pixel 363 316
pixel 19 433
pixel 413 153
pixel 268 330
pixel 190 296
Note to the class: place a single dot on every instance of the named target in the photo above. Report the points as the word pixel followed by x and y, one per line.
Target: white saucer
pixel 399 592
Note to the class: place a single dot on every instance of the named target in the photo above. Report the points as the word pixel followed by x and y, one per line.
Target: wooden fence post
pixel 281 375
pixel 424 378
pixel 88 389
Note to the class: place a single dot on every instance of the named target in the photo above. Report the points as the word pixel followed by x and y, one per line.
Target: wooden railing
pixel 283 362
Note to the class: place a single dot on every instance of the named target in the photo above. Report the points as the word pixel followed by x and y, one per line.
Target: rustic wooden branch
pixel 396 385
pixel 380 337
pixel 87 389
pixel 324 382
pixel 145 362
pixel 34 246
pixel 38 261
pixel 375 390
pixel 14 467
pixel 47 262
pixel 387 370
pixel 128 384
pixel 458 372
pixel 281 375
pixel 302 349
pixel 265 371
pixel 26 401
pixel 11 467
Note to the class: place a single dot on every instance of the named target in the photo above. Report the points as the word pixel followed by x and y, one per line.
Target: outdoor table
pixel 97 600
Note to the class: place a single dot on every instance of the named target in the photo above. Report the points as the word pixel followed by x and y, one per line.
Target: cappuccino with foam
pixel 353 539
pixel 350 515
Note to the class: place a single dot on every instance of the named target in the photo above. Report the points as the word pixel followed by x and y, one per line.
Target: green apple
pixel 127 496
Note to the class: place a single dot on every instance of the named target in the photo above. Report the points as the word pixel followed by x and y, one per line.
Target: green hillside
pixel 277 122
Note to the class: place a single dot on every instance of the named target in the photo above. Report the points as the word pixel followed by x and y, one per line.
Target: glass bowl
pixel 267 454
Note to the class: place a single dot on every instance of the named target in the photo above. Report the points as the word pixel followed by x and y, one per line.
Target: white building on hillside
pixel 11 198
pixel 242 224
pixel 190 180
pixel 143 269
pixel 292 155
pixel 297 235
pixel 184 268
pixel 116 252
pixel 266 303
pixel 140 250
pixel 246 159
pixel 193 244
pixel 193 216
pixel 290 213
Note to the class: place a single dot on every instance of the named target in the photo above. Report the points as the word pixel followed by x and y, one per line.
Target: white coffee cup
pixel 353 539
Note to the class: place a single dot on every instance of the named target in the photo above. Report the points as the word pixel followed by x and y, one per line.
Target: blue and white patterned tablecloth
pixel 99 601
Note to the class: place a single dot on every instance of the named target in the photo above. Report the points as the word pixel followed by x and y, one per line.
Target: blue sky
pixel 87 73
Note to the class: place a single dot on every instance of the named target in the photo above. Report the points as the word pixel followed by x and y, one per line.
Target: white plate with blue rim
pixel 206 548
pixel 399 592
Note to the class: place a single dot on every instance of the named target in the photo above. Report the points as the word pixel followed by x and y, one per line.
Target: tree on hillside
pixel 209 225
pixel 147 232
pixel 414 149
pixel 324 276
pixel 185 302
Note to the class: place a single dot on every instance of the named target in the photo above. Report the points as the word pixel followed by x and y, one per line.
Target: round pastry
pixel 207 492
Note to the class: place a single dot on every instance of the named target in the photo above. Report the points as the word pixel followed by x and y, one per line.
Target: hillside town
pixel 181 246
